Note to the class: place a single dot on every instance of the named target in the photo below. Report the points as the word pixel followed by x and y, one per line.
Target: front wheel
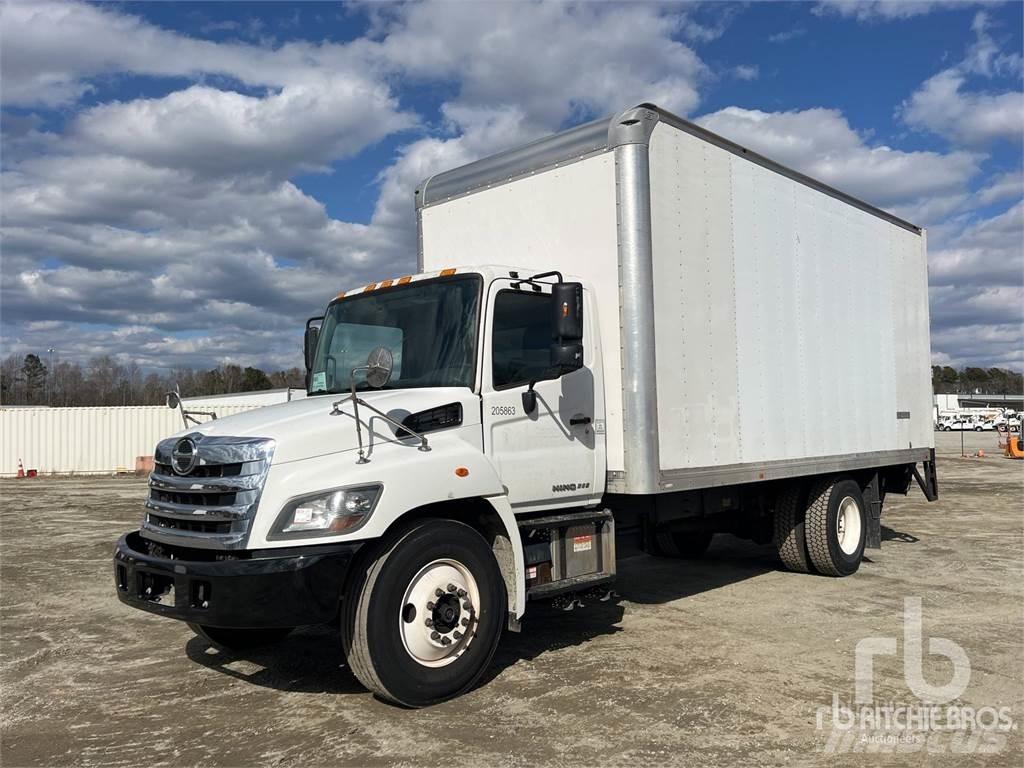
pixel 239 639
pixel 424 622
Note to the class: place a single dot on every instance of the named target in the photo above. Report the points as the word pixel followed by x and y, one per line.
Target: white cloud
pixel 746 72
pixel 989 252
pixel 887 10
pixel 552 60
pixel 1002 187
pixel 174 217
pixel 945 105
pixel 219 132
pixel 821 143
pixel 787 34
pixel 940 105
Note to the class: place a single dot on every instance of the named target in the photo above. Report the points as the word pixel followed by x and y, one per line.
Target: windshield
pixel 429 326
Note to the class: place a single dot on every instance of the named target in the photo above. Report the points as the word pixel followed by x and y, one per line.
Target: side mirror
pixel 567 300
pixel 309 341
pixel 567 328
pixel 379 365
pixel 173 400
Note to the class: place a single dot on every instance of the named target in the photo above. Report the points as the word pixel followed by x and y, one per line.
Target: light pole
pixel 50 379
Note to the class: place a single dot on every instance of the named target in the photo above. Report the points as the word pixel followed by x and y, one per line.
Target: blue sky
pixel 184 183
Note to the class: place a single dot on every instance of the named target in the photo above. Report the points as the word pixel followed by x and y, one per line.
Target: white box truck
pixel 624 338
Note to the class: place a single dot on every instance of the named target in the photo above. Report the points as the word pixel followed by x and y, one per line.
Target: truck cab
pixel 488 406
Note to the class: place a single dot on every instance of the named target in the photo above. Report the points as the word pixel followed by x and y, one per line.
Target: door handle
pixel 575 421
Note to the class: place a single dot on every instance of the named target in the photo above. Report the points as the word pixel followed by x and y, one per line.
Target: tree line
pixel 104 381
pixel 947 380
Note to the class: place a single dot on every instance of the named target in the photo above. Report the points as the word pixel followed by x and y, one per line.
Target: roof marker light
pixel 446 272
pixel 385 283
pixel 341 295
pixel 404 280
pixel 369 288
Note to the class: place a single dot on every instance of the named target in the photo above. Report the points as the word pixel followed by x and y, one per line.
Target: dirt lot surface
pixel 724 661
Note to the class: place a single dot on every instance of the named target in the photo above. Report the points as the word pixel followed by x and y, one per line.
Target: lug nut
pixel 456 634
pixel 435 636
pixel 446 640
pixel 429 622
pixel 462 593
pixel 464 622
pixel 439 592
pixel 430 606
pixel 452 588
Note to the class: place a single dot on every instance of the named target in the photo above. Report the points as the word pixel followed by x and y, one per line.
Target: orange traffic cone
pixel 21 469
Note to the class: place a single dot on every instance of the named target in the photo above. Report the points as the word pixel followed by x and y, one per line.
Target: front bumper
pixel 268 588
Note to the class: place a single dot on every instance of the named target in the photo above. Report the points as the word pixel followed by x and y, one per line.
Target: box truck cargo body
pixel 628 337
pixel 757 324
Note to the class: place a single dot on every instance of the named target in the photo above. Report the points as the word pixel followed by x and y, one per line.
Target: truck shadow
pixel 888 534
pixel 310 659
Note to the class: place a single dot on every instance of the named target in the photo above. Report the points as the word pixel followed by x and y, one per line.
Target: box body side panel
pixel 789 325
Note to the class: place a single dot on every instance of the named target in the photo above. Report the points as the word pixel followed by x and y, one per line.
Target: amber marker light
pixel 461 472
pixel 404 280
pixel 446 272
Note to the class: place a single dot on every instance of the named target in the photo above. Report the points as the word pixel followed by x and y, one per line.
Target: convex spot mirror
pixel 173 400
pixel 379 366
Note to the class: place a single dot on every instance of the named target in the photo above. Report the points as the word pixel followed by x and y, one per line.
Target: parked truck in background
pixel 623 338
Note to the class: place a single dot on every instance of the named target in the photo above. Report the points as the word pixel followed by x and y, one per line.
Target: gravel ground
pixel 715 662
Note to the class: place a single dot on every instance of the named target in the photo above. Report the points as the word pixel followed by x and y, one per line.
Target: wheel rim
pixel 848 525
pixel 438 616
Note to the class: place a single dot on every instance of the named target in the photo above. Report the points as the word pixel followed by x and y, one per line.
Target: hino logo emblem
pixel 184 456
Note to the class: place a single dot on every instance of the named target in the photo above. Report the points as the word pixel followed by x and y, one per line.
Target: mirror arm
pixel 356 402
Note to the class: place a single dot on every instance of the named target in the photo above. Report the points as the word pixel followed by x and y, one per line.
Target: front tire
pixel 836 526
pixel 422 624
pixel 239 639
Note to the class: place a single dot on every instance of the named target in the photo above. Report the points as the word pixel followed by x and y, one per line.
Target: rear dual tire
pixel 390 647
pixel 824 531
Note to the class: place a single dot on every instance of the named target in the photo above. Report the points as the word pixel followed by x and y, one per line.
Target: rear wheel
pixel 239 639
pixel 424 622
pixel 836 526
pixel 789 529
pixel 688 545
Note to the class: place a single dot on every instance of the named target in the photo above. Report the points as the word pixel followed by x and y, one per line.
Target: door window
pixel 521 339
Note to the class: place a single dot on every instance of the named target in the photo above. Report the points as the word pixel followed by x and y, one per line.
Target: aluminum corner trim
pixel 636 317
pixel 633 126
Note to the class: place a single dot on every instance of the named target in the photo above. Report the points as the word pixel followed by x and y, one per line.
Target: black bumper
pixel 264 589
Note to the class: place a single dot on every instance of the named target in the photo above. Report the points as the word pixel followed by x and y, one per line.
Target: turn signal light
pixel 461 472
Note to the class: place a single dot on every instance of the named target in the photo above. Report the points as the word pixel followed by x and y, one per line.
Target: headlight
pixel 336 511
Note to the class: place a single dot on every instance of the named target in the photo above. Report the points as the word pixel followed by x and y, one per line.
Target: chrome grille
pixel 211 506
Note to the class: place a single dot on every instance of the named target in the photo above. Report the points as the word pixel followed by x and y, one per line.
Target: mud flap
pixel 873 500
